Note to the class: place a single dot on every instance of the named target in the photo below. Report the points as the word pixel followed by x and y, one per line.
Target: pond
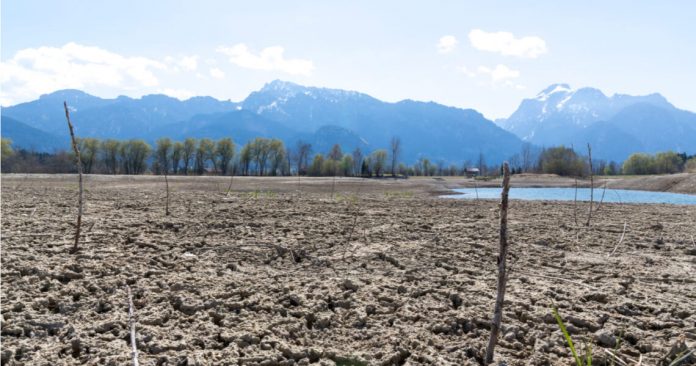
pixel 568 194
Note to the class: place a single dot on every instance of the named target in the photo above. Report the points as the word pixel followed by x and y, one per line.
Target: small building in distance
pixel 472 172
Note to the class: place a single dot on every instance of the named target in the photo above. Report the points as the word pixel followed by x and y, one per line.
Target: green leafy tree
pixel 187 154
pixel 379 161
pixel 639 163
pixel 6 148
pixel 89 148
pixel 110 155
pixel 205 151
pixel 134 155
pixel 690 166
pixel 668 162
pixel 163 155
pixel 225 152
pixel 245 159
pixel 562 161
pixel 177 151
pixel 316 167
pixel 277 157
pixel 347 166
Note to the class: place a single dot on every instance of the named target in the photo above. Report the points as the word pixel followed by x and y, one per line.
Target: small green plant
pixel 587 361
pixel 398 194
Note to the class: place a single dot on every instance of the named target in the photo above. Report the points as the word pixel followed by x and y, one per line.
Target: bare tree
pixel 187 153
pixel 395 145
pixel 163 154
pixel 304 149
pixel 482 164
pixel 177 150
pixel 502 271
pixel 79 173
pixel 357 161
pixel 110 150
pixel 526 157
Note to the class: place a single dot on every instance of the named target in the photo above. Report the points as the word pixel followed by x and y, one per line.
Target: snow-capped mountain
pixel 559 111
pixel 562 115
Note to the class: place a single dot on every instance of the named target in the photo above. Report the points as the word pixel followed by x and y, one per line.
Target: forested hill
pixel 281 110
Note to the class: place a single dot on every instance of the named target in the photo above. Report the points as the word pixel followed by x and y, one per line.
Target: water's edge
pixel 571 194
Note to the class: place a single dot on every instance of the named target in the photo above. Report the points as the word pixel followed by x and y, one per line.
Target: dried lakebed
pixel 376 275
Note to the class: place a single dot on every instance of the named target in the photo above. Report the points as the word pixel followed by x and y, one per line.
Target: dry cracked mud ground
pixel 383 273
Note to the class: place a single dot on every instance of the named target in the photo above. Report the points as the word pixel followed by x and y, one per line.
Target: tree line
pixel 260 156
pixel 270 157
pixel 567 162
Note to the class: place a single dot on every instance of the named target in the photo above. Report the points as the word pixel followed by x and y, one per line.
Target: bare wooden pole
pixel 79 173
pixel 589 212
pixel 575 204
pixel 601 200
pixel 229 188
pixel 502 271
pixel 131 324
pixel 166 183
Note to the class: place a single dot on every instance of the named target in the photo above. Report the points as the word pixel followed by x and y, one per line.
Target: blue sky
pixel 485 55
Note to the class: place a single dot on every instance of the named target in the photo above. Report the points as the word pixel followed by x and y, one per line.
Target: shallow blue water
pixel 568 194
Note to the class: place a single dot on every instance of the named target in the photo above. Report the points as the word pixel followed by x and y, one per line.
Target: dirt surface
pixel 281 273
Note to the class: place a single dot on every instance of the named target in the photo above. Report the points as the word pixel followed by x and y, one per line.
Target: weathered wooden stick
pixel 229 188
pixel 575 204
pixel 589 212
pixel 601 200
pixel 79 172
pixel 131 324
pixel 166 182
pixel 502 275
pixel 620 240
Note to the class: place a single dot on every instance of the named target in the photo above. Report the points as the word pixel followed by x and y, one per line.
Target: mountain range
pixel 615 126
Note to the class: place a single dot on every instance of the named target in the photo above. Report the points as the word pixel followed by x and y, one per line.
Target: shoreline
pixel 673 183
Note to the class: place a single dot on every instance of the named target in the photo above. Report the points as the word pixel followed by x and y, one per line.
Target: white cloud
pixel 269 59
pixel 499 73
pixel 189 63
pixel 506 44
pixel 465 70
pixel 35 71
pixel 446 44
pixel 217 73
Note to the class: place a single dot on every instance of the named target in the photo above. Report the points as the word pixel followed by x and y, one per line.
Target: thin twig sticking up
pixel 79 172
pixel 166 183
pixel 131 323
pixel 589 212
pixel 502 271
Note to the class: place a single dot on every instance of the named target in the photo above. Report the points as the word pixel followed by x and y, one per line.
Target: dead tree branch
pixel 589 212
pixel 166 183
pixel 79 173
pixel 601 200
pixel 229 188
pixel 502 275
pixel 131 324
pixel 620 240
